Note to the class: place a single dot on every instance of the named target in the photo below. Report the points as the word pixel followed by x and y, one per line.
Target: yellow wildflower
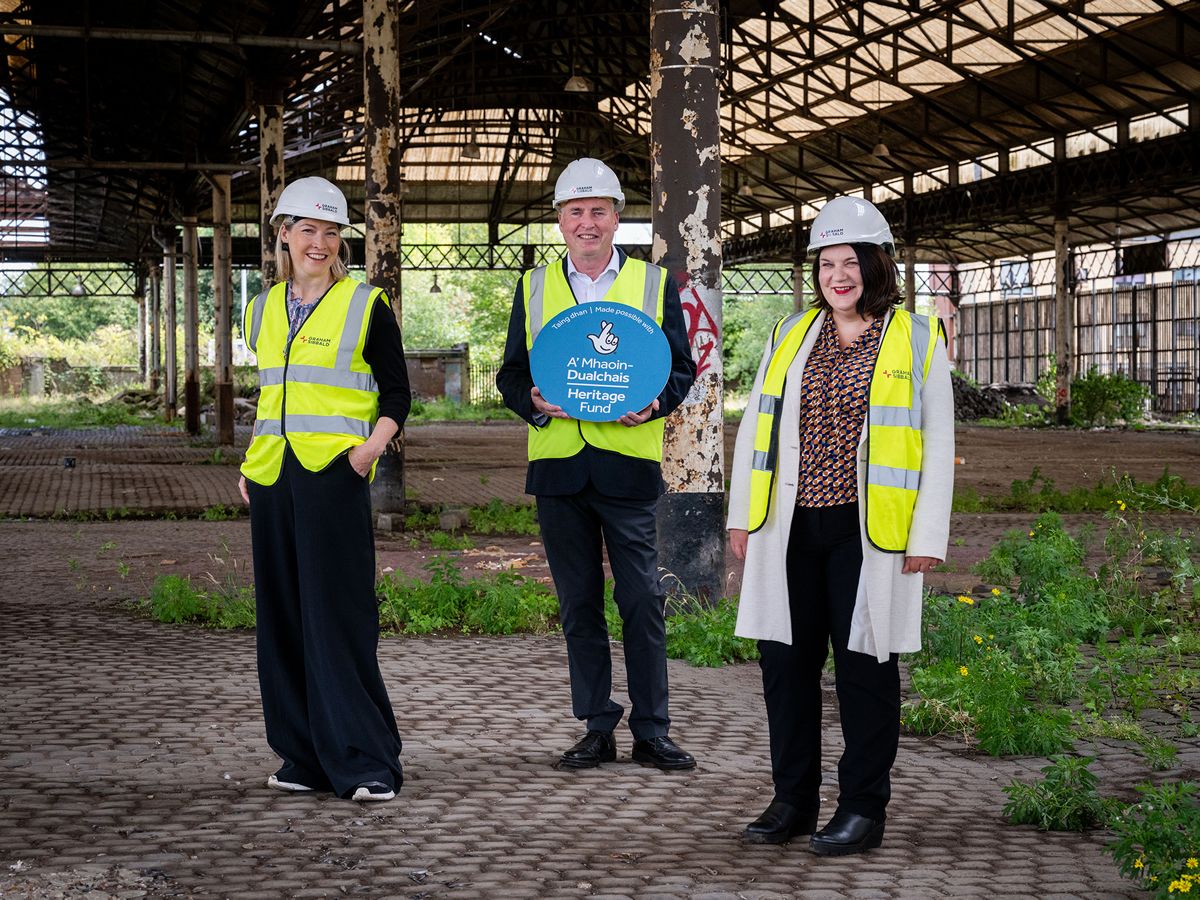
pixel 1137 864
pixel 963 598
pixel 978 639
pixel 1031 534
pixel 1192 862
pixel 991 637
pixel 1121 505
pixel 995 592
pixel 963 671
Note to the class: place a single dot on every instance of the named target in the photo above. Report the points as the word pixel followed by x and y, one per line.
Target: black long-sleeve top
pixel 384 353
pixel 611 473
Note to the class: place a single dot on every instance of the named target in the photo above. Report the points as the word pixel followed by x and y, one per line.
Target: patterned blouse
pixel 298 311
pixel 832 409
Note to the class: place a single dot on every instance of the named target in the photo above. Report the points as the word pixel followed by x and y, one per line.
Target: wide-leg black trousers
pixel 824 558
pixel 326 708
pixel 574 528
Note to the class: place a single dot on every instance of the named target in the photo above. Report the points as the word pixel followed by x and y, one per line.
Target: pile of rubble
pixel 972 403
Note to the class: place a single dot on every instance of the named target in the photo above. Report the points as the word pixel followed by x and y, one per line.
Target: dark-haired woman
pixel 839 503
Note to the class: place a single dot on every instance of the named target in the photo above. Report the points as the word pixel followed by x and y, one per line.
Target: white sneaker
pixel 373 791
pixel 291 787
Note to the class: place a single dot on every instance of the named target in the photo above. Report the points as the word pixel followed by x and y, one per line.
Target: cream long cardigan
pixel 887 611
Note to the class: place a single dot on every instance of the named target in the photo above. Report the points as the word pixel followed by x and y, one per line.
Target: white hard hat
pixel 588 177
pixel 849 220
pixel 312 198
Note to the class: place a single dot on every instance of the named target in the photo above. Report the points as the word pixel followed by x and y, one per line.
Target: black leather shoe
pixel 662 753
pixel 779 823
pixel 847 833
pixel 593 748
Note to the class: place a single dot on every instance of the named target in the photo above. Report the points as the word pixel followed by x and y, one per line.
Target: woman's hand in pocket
pixel 361 459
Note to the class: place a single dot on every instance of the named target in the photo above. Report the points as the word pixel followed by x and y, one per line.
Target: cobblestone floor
pixel 132 762
pixel 132 756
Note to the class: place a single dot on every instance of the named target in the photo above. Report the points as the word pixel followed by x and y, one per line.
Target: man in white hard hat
pixel 599 482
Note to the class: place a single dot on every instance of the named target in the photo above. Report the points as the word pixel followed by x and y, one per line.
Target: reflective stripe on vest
pixel 894 424
pixel 547 294
pixel 319 396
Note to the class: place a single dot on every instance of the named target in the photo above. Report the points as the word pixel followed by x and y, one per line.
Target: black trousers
pixel 326 708
pixel 574 528
pixel 824 557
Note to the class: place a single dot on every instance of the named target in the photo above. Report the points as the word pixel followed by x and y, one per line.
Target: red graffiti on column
pixel 701 326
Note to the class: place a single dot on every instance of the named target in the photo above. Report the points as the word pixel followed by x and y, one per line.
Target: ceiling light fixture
pixel 578 84
pixel 881 150
pixel 745 190
pixel 77 289
pixel 471 149
pixel 437 288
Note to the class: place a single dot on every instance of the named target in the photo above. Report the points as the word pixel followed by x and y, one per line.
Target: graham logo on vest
pixel 902 374
pixel 314 341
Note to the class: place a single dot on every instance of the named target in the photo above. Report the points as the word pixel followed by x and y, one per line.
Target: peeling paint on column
pixel 694 49
pixel 689 122
pixel 698 240
pixel 382 107
pixel 685 152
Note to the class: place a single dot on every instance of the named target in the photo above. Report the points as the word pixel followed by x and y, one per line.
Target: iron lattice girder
pixel 118 281
pixel 1158 168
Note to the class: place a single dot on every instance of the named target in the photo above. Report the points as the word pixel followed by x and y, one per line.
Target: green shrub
pixel 1158 839
pixel 1064 800
pixel 501 604
pixel 499 517
pixel 174 600
pixel 1098 399
pixel 703 635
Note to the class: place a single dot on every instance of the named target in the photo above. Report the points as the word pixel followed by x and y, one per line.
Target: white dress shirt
pixel 584 288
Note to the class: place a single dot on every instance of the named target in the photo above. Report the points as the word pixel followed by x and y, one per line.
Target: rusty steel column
pixel 1064 323
pixel 270 177
pixel 191 329
pixel 172 360
pixel 155 321
pixel 381 100
pixel 685 193
pixel 222 330
pixel 143 318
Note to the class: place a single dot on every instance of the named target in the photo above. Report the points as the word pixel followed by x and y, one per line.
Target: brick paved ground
pixel 132 759
pixel 132 755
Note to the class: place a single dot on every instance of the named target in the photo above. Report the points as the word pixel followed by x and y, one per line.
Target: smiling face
pixel 840 279
pixel 313 245
pixel 588 227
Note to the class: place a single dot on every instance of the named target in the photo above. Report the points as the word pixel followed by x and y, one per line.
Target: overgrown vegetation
pixel 1055 651
pixel 1158 839
pixel 442 410
pixel 65 412
pixel 1038 494
pixel 224 599
pixel 498 517
pixel 1066 799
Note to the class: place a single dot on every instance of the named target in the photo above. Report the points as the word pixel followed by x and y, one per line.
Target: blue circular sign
pixel 600 360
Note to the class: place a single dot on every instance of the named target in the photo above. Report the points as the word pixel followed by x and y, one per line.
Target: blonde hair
pixel 283 260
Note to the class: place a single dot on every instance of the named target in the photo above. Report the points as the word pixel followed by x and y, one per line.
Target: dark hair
pixel 880 278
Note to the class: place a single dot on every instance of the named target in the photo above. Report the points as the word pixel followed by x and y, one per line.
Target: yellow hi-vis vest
pixel 321 397
pixel 893 430
pixel 547 294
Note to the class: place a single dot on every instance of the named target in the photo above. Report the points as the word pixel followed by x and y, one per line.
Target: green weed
pixel 499 517
pixel 1064 800
pixel 1158 839
pixel 501 604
